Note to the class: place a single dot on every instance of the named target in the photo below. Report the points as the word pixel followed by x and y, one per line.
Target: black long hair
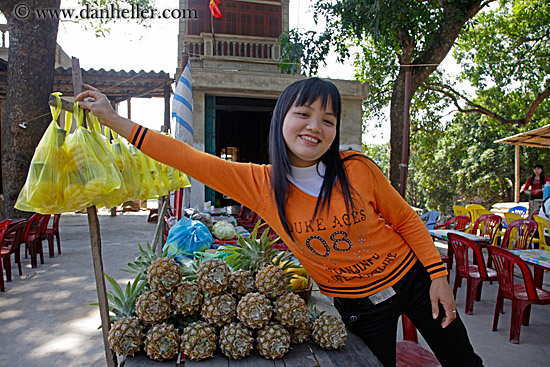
pixel 542 176
pixel 306 92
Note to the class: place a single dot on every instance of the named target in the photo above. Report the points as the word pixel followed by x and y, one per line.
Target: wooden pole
pixel 517 184
pixel 95 242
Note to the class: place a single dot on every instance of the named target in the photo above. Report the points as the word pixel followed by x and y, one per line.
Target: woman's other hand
pixel 440 292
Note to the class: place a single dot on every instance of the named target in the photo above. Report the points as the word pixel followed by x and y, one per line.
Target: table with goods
pixel 240 304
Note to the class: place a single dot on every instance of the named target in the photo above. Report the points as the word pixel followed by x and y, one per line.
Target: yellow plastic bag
pixel 41 192
pixel 130 187
pixel 91 167
pixel 147 187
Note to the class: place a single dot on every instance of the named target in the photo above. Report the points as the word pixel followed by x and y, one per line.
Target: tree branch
pixel 452 94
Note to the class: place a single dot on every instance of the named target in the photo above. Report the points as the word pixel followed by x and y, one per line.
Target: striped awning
pixel 539 138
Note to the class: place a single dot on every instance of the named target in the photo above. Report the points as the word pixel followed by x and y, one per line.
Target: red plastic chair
pixel 11 245
pixel 250 221
pixel 525 229
pixel 3 229
pixel 458 223
pixel 409 352
pixel 522 295
pixel 242 213
pixel 32 238
pixel 488 226
pixel 475 275
pixel 51 233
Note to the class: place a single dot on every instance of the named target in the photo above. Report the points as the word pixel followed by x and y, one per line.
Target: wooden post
pixel 517 184
pixel 95 242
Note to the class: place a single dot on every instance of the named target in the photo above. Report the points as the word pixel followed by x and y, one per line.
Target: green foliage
pixel 508 46
pixel 306 47
pixel 380 154
pixel 100 24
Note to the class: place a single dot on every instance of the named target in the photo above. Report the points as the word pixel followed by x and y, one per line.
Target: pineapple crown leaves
pixel 142 262
pixel 123 303
pixel 312 312
pixel 252 253
pixel 190 266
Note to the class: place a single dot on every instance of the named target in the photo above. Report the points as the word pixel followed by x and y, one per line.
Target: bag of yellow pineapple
pixel 177 179
pixel 162 180
pixel 91 167
pixel 147 187
pixel 41 192
pixel 129 189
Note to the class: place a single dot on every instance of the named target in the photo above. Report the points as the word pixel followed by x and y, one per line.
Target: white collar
pixel 308 179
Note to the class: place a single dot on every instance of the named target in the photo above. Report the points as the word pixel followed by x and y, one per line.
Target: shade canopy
pixel 539 138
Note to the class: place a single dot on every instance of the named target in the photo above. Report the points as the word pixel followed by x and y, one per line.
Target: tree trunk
pixel 456 14
pixel 396 135
pixel 31 67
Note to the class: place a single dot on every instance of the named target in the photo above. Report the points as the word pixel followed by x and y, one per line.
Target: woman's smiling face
pixel 309 131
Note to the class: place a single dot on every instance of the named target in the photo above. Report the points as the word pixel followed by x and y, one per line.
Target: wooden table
pixel 354 354
pixel 540 259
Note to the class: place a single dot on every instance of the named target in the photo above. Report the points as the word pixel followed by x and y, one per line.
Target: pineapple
pixel 153 307
pixel 236 340
pixel 253 253
pixel 242 283
pixel 273 341
pixel 162 342
pixel 254 310
pixel 164 274
pixel 199 340
pixel 329 332
pixel 126 332
pixel 271 281
pixel 213 276
pixel 125 336
pixel 187 299
pixel 290 310
pixel 302 332
pixel 219 309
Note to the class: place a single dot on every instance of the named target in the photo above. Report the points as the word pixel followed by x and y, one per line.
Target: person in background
pixel 533 187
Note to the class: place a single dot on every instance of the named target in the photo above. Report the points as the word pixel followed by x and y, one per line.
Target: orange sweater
pixel 349 256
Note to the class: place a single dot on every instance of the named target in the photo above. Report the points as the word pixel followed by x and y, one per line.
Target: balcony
pixel 4 41
pixel 232 52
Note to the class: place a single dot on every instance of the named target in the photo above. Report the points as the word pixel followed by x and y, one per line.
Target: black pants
pixel 377 324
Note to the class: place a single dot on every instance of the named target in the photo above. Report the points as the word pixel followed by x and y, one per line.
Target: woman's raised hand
pixel 98 103
pixel 92 99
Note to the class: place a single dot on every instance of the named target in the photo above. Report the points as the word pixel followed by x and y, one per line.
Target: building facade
pixel 236 82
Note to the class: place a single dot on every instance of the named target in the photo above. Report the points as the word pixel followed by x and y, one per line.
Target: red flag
pixel 216 12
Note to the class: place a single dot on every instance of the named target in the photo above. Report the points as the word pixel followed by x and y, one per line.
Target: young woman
pixel 534 187
pixel 355 235
pixel 536 182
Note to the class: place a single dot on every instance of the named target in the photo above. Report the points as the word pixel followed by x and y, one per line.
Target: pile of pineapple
pixel 235 304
